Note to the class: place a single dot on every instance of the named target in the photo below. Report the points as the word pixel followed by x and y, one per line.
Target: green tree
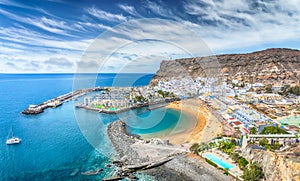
pixel 268 88
pixel 275 146
pixel 202 147
pixel 227 146
pixel 294 90
pixel 242 162
pixel 263 142
pixel 253 130
pixel 164 94
pixel 226 172
pixel 273 130
pixel 252 172
pixel 235 156
pixel 194 148
pixel 140 99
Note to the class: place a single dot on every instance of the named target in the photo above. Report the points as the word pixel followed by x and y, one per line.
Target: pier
pixel 58 101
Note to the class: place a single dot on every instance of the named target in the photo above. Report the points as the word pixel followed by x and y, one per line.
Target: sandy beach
pixel 205 126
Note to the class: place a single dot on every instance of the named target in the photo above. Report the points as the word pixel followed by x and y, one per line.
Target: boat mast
pixel 12 131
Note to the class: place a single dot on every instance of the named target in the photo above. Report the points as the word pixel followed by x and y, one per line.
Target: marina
pixel 58 101
pixel 108 101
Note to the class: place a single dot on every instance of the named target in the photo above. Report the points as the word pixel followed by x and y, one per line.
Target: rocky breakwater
pixel 164 162
pixel 277 166
pixel 121 141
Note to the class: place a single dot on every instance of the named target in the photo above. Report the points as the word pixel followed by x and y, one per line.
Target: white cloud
pixel 87 25
pixel 159 9
pixel 141 45
pixel 49 25
pixel 32 38
pixel 20 5
pixel 106 15
pixel 38 62
pixel 129 9
pixel 241 23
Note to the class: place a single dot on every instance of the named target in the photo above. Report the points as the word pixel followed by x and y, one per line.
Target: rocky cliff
pixel 276 65
pixel 277 166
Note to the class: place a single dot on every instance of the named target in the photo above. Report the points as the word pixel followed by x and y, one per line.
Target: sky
pixel 57 36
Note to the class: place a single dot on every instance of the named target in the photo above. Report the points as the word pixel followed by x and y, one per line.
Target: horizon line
pixel 78 73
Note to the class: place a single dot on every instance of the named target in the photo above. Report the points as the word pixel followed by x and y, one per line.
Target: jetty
pixel 58 101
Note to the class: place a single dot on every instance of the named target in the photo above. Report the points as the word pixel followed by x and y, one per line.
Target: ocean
pixel 54 144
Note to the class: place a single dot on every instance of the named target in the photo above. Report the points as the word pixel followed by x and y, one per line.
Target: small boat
pixel 12 140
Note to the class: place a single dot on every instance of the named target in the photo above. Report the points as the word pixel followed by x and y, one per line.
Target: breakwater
pixel 169 164
pixel 58 101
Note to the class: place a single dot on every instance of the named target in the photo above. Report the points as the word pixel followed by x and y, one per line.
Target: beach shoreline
pixel 193 134
pixel 202 126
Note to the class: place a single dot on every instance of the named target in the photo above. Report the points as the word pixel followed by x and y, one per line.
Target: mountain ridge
pixel 269 66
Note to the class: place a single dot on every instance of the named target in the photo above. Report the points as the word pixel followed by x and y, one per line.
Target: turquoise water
pixel 58 141
pixel 220 162
pixel 168 121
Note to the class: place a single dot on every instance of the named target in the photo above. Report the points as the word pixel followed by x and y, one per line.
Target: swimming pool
pixel 292 120
pixel 219 161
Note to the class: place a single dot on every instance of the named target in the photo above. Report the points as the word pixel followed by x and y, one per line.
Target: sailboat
pixel 12 140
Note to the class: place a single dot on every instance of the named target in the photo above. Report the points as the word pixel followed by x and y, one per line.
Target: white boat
pixel 12 140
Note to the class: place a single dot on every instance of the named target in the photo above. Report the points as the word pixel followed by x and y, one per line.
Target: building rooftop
pixel 258 147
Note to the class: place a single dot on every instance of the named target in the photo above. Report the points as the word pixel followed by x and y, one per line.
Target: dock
pixel 58 101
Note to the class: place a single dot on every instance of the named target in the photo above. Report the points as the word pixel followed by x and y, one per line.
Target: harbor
pixel 109 100
pixel 58 101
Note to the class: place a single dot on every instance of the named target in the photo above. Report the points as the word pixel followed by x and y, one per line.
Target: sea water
pixel 53 145
pixel 160 122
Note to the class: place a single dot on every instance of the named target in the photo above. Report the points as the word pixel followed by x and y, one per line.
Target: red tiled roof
pixel 246 130
pixel 237 123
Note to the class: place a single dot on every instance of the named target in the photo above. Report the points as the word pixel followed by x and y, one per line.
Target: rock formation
pixel 276 65
pixel 280 166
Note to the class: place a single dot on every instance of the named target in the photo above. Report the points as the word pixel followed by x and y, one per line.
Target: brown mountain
pixel 270 66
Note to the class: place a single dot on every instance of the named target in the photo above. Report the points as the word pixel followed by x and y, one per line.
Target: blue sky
pixel 53 36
